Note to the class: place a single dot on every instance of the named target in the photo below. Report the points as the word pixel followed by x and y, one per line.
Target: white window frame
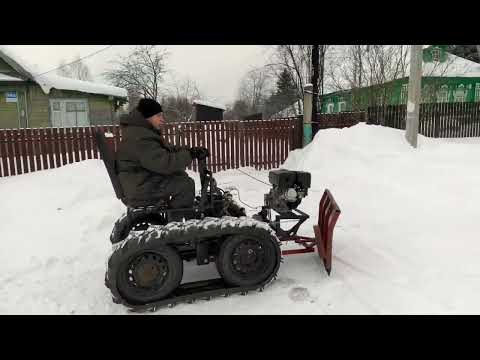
pixel 330 108
pixel 442 96
pixel 477 92
pixel 459 95
pixel 53 112
pixel 340 104
pixel 63 105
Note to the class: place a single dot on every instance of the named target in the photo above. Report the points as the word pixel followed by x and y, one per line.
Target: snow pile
pixel 406 241
pixel 407 238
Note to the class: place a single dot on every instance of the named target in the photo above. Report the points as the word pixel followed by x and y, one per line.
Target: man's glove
pixel 199 153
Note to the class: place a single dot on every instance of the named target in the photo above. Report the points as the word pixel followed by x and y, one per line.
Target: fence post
pixel 307 114
pixel 436 121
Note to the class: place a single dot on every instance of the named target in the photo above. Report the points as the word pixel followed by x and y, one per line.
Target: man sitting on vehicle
pixel 149 168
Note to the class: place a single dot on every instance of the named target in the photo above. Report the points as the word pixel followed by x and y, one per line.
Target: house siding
pixel 38 105
pixel 101 107
pixel 101 110
pixel 360 99
pixel 8 111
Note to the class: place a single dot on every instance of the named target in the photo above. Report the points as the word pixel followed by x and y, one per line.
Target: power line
pixel 253 177
pixel 73 62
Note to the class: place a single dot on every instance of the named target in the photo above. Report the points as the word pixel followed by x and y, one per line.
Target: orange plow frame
pixel 328 213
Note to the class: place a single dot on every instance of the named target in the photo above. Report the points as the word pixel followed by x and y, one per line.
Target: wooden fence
pixel 233 144
pixel 437 120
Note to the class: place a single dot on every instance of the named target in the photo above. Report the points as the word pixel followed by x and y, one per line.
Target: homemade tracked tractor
pixel 145 268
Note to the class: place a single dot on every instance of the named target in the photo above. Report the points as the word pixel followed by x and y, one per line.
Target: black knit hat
pixel 149 107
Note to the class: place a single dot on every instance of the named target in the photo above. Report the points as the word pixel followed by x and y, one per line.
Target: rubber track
pixel 190 232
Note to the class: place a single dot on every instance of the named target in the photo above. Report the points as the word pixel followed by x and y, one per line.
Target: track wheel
pixel 149 274
pixel 247 260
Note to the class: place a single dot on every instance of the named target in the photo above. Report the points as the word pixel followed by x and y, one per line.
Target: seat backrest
pixel 109 161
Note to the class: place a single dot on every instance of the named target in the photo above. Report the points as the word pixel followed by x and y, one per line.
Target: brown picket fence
pixel 437 120
pixel 262 144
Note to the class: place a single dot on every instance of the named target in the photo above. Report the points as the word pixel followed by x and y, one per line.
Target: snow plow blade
pixel 328 213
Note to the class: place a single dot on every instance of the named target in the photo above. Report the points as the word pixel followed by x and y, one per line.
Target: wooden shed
pixel 207 111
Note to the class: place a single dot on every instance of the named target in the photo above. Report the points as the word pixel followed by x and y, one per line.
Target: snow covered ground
pixel 406 242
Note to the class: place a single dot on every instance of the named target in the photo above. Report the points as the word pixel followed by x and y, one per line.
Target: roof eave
pixel 24 74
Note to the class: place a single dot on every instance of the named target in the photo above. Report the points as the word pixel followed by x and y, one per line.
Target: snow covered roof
pixel 210 104
pixel 51 81
pixel 5 77
pixel 454 66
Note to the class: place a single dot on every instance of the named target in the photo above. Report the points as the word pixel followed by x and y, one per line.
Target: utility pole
pixel 315 64
pixel 414 94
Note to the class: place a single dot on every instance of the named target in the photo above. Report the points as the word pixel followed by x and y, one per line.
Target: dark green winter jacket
pixel 144 160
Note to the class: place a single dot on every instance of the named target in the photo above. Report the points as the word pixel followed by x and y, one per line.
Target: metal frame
pixel 328 213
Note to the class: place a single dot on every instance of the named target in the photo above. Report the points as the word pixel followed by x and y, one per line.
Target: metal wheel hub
pixel 248 257
pixel 148 270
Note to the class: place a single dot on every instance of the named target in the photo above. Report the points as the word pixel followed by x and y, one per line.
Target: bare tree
pixel 297 60
pixel 133 98
pixel 439 68
pixel 237 110
pixel 360 66
pixel 365 65
pixel 75 70
pixel 178 101
pixel 254 89
pixel 141 71
pixel 63 69
pixel 315 74
pixel 469 52
pixel 375 66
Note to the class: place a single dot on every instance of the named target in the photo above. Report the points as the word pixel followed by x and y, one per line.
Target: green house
pixel 29 99
pixel 446 78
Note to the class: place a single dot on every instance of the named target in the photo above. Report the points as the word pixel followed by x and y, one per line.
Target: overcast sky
pixel 217 69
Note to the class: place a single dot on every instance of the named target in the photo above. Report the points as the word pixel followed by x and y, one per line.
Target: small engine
pixel 289 188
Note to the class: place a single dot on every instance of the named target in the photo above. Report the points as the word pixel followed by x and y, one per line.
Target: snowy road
pixel 405 243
